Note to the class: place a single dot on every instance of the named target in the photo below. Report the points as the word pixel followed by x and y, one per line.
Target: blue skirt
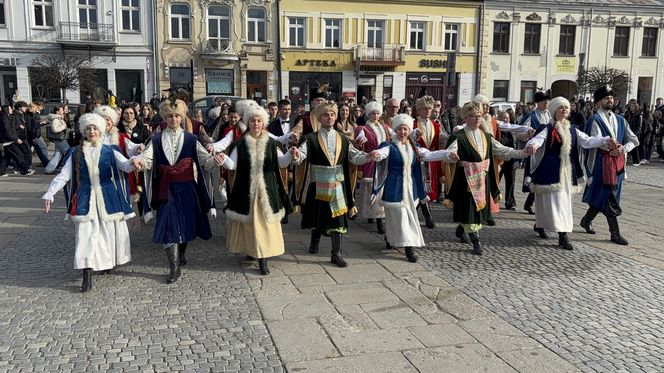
pixel 181 219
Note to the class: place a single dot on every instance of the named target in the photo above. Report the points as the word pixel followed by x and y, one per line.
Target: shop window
pixel 501 37
pixel 180 21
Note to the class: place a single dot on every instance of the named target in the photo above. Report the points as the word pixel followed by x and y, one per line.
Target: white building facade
pixel 533 45
pixel 115 36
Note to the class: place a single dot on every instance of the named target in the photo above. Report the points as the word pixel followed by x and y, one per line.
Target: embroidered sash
pixel 329 187
pixel 476 178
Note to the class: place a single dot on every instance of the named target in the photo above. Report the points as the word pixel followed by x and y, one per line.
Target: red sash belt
pixel 179 172
pixel 611 167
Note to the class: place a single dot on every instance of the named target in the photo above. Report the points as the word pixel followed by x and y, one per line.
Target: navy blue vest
pixel 393 189
pixel 544 174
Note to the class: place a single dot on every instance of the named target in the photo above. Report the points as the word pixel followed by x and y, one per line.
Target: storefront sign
pixel 219 82
pixel 321 63
pixel 566 65
pixel 433 64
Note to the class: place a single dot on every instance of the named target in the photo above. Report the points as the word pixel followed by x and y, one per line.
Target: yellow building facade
pixel 217 47
pixel 379 49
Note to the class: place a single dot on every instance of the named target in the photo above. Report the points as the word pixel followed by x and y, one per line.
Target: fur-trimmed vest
pixel 257 176
pixel 560 152
pixel 110 194
pixel 399 174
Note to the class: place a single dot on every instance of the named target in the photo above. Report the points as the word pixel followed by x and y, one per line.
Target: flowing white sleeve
pixel 132 148
pixel 123 163
pixel 230 160
pixel 205 159
pixel 303 154
pixel 146 157
pixel 505 152
pixel 436 155
pixel 508 127
pixel 538 140
pixel 357 157
pixel 222 144
pixel 588 142
pixel 632 140
pixel 284 159
pixel 59 181
pixel 383 153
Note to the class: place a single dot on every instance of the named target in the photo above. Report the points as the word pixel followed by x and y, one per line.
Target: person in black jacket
pixel 10 141
pixel 635 120
pixel 138 132
pixel 21 123
pixel 34 133
pixel 576 118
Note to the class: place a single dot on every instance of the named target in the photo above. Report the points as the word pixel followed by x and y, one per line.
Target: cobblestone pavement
pixel 594 306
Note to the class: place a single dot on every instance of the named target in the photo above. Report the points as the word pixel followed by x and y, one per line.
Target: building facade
pixel 372 50
pixel 115 36
pixel 217 47
pixel 531 45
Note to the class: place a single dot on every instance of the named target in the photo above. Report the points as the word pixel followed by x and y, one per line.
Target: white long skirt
pixel 402 226
pixel 363 199
pixel 553 209
pixel 100 245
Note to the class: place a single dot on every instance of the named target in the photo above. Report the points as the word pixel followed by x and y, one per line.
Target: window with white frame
pixel 43 13
pixel 256 25
pixel 451 36
pixel 3 21
pixel 332 33
pixel 296 32
pixel 131 13
pixel 180 22
pixel 87 13
pixel 219 26
pixel 375 33
pixel 417 35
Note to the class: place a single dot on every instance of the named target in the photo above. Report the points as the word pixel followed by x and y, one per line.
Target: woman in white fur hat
pixel 556 171
pixel 97 201
pixel 399 175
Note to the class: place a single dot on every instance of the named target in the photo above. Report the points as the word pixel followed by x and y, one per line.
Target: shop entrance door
pixel 257 85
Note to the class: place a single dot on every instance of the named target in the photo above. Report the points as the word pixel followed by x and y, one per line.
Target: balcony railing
pixel 384 55
pixel 218 47
pixel 86 32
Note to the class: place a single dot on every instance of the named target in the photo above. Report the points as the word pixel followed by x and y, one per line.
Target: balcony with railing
pixel 219 48
pixel 386 56
pixel 87 35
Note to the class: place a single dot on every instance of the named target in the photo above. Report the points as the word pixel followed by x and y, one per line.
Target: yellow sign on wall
pixel 566 65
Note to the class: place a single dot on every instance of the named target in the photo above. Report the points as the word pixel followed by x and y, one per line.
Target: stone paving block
pixel 359 293
pixel 462 307
pixel 359 273
pixel 371 341
pixel 498 335
pixel 296 306
pixel 350 319
pixel 397 264
pixel 272 286
pixel 536 360
pixel 388 362
pixel 439 335
pixel 301 340
pixel 468 358
pixel 311 279
pixel 393 316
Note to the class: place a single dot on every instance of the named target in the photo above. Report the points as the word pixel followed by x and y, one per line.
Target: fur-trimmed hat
pixel 603 92
pixel 373 107
pixel 424 102
pixel 91 119
pixel 107 111
pixel 323 108
pixel 555 104
pixel 169 108
pixel 481 99
pixel 402 120
pixel 242 106
pixel 470 108
pixel 255 111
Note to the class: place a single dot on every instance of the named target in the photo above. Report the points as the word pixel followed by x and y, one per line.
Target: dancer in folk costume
pixel 258 198
pixel 96 201
pixel 606 166
pixel 399 176
pixel 430 135
pixel 535 119
pixel 370 135
pixel 328 154
pixel 473 180
pixel 556 170
pixel 175 186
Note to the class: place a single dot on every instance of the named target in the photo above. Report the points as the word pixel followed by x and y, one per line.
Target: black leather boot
pixel 410 255
pixel 428 219
pixel 387 244
pixel 87 280
pixel 490 222
pixel 337 258
pixel 615 231
pixel 528 205
pixel 475 239
pixel 540 231
pixel 586 221
pixel 380 226
pixel 182 248
pixel 461 234
pixel 564 242
pixel 262 266
pixel 173 255
pixel 315 240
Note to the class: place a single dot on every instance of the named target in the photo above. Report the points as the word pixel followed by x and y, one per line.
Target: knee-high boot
pixel 87 280
pixel 475 239
pixel 315 240
pixel 380 225
pixel 337 258
pixel 615 231
pixel 182 248
pixel 262 266
pixel 428 219
pixel 173 255
pixel 587 220
pixel 410 254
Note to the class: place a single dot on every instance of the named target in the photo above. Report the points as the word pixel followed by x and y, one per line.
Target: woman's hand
pixel 219 158
pixel 454 157
pixel 47 206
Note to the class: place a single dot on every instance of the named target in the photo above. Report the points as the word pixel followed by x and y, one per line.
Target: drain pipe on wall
pixel 278 52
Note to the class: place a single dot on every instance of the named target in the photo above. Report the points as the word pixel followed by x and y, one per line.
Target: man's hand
pixel 47 206
pixel 209 148
pixel 619 150
pixel 137 163
pixel 19 141
pixel 295 152
pixel 611 143
pixel 219 158
pixel 530 150
pixel 454 157
pixel 141 147
pixel 375 155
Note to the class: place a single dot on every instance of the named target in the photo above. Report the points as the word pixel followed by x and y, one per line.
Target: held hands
pixel 454 157
pixel 611 143
pixel 141 147
pixel 294 137
pixel 416 134
pixel 295 152
pixel 530 150
pixel 375 155
pixel 219 158
pixel 137 163
pixel 619 150
pixel 209 148
pixel 47 206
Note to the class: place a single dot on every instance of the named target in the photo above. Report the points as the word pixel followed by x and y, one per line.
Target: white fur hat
pixel 481 99
pixel 242 106
pixel 555 104
pixel 91 119
pixel 215 112
pixel 402 120
pixel 107 111
pixel 373 107
pixel 255 111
